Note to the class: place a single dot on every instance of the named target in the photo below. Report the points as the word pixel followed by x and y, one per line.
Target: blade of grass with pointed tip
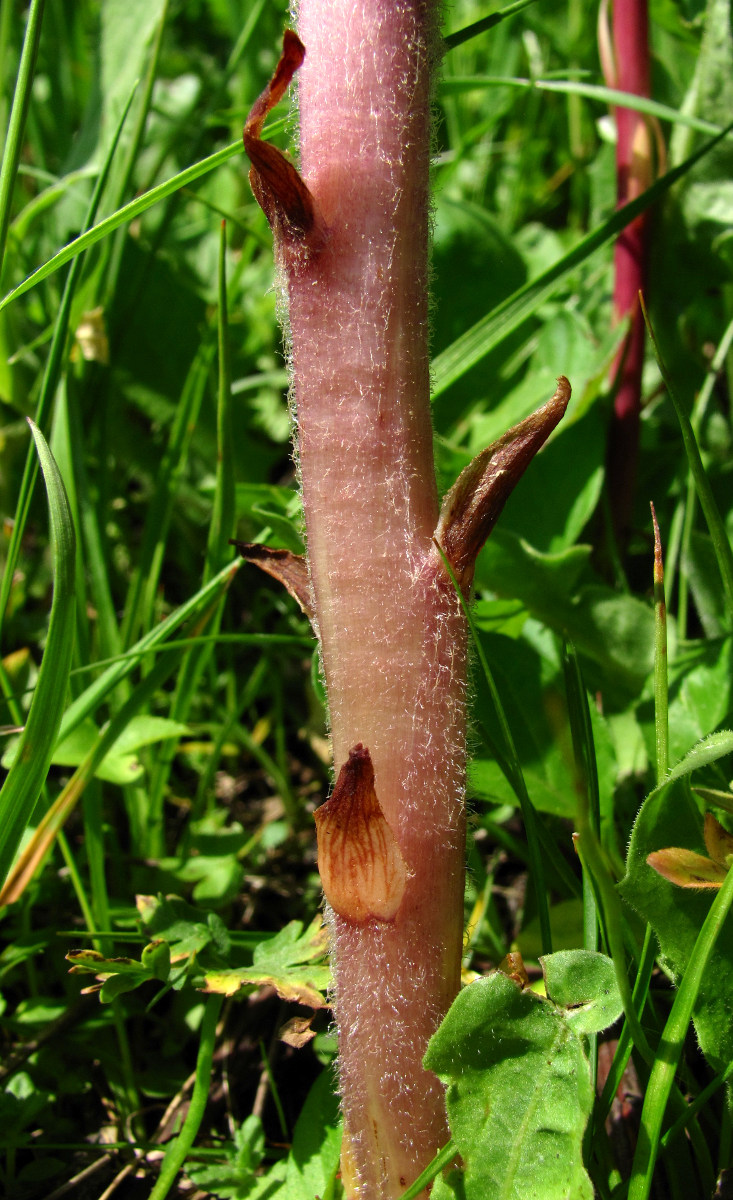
pixel 442 1159
pixel 125 214
pixel 26 777
pixel 223 513
pixel 175 1155
pixel 588 91
pixel 475 343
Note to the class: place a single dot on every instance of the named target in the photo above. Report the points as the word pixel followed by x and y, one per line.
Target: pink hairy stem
pixel 392 634
pixel 351 238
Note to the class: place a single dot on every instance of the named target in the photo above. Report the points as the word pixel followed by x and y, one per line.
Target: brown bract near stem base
pixel 278 188
pixel 362 869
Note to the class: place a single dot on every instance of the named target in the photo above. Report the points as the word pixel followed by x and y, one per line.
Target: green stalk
pixel 587 787
pixel 180 1146
pixel 26 777
pixel 662 1075
pixel 18 116
pixel 661 697
pixel 221 528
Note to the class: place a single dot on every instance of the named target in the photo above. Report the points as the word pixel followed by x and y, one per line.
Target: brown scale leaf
pixel 291 570
pixel 472 506
pixel 278 188
pixel 362 869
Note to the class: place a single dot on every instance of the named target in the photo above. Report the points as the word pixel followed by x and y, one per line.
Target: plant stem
pixel 392 632
pixel 633 175
pixel 179 1148
pixel 351 236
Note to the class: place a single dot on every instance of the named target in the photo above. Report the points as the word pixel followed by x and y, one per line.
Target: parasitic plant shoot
pixel 351 243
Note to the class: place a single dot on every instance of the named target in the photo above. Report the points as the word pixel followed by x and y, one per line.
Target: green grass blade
pixel 18 115
pixel 141 597
pixel 451 40
pixel 26 777
pixel 711 512
pixel 661 687
pixel 178 1149
pixel 487 333
pixel 51 377
pixel 442 1159
pixel 587 786
pixel 675 1031
pixel 587 91
pixel 123 215
pixel 89 701
pixel 54 819
pixel 221 528
pixel 223 514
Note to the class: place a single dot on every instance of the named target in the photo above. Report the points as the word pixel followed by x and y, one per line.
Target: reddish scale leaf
pixel 362 869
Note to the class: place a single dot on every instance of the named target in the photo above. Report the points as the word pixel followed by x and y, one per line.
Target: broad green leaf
pixel 450 1187
pixel 314 1157
pixel 156 958
pixel 217 877
pixel 518 1095
pixel 120 765
pixel 709 750
pixel 186 929
pixel 26 777
pixel 583 983
pixel 279 964
pixel 566 921
pixel 670 817
pixel 487 781
pixel 615 632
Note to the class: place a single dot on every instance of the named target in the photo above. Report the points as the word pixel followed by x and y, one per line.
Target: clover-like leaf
pixel 289 963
